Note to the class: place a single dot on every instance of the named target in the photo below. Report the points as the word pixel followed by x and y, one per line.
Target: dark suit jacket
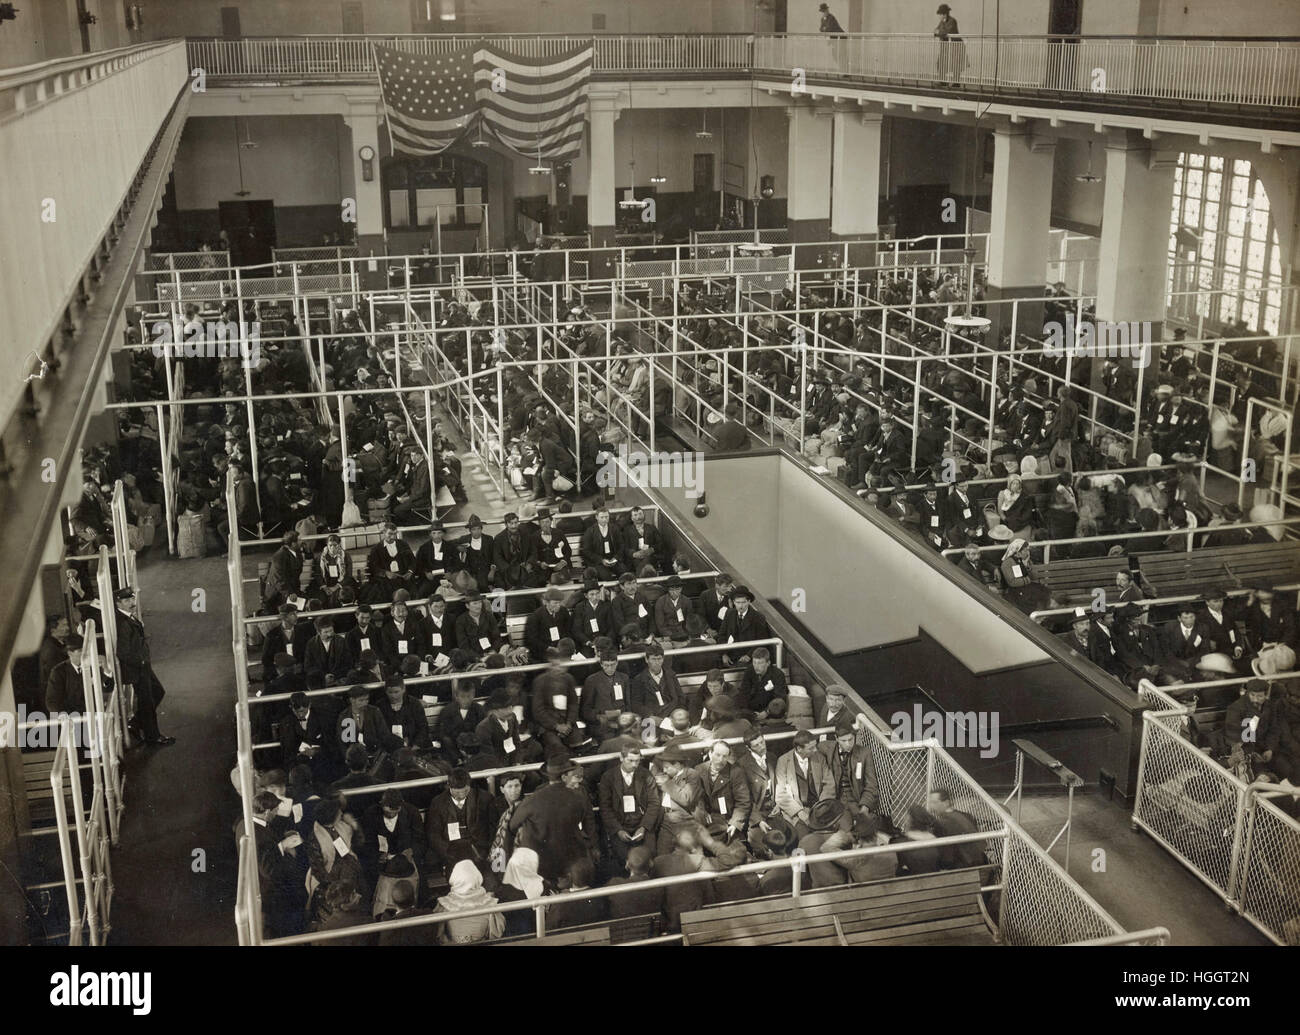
pixel 752 627
pixel 537 631
pixel 473 820
pixel 643 699
pixel 645 793
pixel 864 791
pixel 555 823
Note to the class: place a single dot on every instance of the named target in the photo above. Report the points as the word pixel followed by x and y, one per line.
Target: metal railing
pixel 1250 72
pixel 1222 829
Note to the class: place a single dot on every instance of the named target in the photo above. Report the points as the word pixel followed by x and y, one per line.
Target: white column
pixel 363 120
pixel 855 176
pixel 1021 210
pixel 1134 253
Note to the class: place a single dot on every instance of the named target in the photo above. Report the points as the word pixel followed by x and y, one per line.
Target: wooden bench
pixel 942 908
pixel 613 932
pixel 36 783
pixel 1178 573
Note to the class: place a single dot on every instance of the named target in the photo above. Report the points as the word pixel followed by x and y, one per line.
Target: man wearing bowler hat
pixel 547 625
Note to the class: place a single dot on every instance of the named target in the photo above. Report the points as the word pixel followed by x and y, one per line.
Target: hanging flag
pixel 428 98
pixel 535 106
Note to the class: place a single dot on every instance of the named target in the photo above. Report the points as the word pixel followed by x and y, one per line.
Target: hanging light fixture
pixel 478 141
pixel 966 321
pixel 703 132
pixel 1089 176
pixel 539 169
pixel 659 176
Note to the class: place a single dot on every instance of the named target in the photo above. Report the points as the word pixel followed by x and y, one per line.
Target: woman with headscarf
pixel 521 881
pixel 467 892
pixel 1016 507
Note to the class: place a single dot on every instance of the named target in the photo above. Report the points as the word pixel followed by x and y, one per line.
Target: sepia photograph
pixel 612 473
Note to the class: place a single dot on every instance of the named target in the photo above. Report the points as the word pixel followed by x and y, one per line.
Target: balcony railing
pixel 1253 73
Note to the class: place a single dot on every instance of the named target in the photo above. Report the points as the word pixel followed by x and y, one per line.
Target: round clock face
pixel 367 153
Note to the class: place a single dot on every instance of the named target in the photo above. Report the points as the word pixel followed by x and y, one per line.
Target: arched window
pixel 437 189
pixel 1222 239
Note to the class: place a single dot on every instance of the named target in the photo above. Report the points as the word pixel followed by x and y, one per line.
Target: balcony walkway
pixel 1254 82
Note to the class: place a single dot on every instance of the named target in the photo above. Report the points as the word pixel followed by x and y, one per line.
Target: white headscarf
pixel 466 889
pixel 521 873
pixel 1013 548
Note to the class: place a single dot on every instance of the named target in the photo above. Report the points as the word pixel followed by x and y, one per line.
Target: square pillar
pixel 808 179
pixel 602 220
pixel 855 180
pixel 363 121
pixel 1020 223
pixel 1134 254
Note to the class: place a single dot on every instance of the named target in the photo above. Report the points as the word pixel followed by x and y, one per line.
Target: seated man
pixel 328 653
pixel 391 559
pixel 477 630
pixel 605 694
pixel 462 714
pixel 1182 644
pixel 725 791
pixel 950 821
pixel 852 771
pixel 761 682
pixel 629 805
pixel 670 613
pixel 403 716
pixel 503 736
pixel 547 625
pixel 655 692
pixel 802 779
pixel 360 723
pixel 649 901
pixel 742 624
pixel 457 823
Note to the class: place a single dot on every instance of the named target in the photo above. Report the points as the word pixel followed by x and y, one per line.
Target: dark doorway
pixel 1064 21
pixel 83 25
pixel 353 19
pixel 250 225
pixel 230 23
pixel 780 17
pixel 1065 18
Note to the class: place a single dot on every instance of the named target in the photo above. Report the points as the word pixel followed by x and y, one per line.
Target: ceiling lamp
pixel 967 322
pixel 703 132
pixel 658 178
pixel 1089 176
pixel 539 169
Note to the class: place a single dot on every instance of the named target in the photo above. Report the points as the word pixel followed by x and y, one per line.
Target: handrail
pixel 1150 602
pixel 24 75
pixel 1157 935
pixel 492 594
pixel 547 901
pixel 1166 533
pixel 537 666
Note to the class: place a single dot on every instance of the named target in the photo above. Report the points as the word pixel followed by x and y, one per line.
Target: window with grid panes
pixel 1221 212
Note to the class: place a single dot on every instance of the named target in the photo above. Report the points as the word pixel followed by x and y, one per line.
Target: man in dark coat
pixel 456 823
pixel 514 554
pixel 742 623
pixel 65 691
pixel 852 770
pixel 137 669
pixel 547 625
pixel 629 804
pixel 554 822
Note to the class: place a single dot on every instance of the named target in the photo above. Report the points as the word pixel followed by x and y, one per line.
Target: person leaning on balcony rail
pixel 952 51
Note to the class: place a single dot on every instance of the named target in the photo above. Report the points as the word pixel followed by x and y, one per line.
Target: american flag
pixel 537 109
pixel 542 108
pixel 428 98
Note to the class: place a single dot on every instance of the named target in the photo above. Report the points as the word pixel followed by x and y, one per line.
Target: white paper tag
pixel 722 806
pixel 508 745
pixel 640 542
pixel 555 634
pixel 559 551
pixel 288 649
pixel 518 709
pixel 668 801
pixel 1017 571
pixel 559 702
pixel 284 808
pixel 435 639
pixel 934 520
pixel 402 647
pixel 332 570
pixel 640 610
pixel 722 613
pixel 397 729
pixel 383 843
pixel 441 659
pixel 484 642
pixel 424 668
pixel 858 771
pixel 629 803
pixel 365 643
pixel 341 846
pixel 453 831
pixel 607 546
pixel 595 625
pixel 618 691
pixel 297 813
pixel 392 566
